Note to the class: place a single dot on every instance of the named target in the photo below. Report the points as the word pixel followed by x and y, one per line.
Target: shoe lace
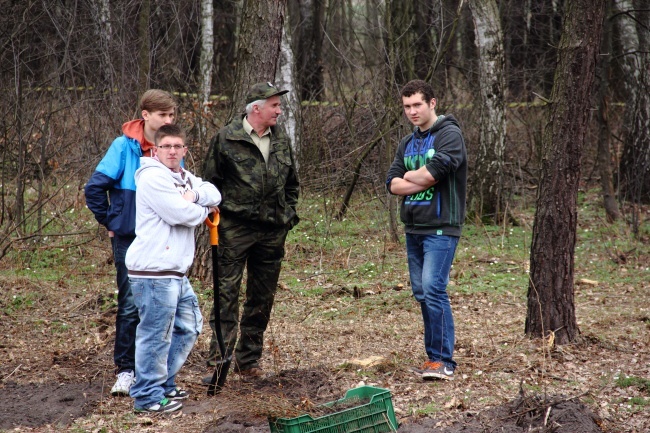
pixel 124 378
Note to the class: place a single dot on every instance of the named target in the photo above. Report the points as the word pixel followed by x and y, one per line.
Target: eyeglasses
pixel 170 146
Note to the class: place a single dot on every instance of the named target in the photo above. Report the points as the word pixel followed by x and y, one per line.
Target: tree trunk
pixel 604 159
pixel 259 47
pixel 19 207
pixel 207 51
pixel 145 44
pixel 486 197
pixel 226 14
pixel 635 157
pixel 310 55
pixel 551 309
pixel 102 17
pixel 287 80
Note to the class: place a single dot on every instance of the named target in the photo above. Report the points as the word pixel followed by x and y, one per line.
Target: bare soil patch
pixel 57 340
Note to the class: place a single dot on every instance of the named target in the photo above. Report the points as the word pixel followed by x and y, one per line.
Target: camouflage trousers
pixel 260 250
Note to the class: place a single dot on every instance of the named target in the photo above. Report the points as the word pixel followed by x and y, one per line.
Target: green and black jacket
pixel 253 191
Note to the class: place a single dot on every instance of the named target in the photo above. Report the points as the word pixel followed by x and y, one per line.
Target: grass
pixel 642 384
pixel 348 280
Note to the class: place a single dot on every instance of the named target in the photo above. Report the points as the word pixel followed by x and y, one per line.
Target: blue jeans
pixel 170 323
pixel 127 314
pixel 429 260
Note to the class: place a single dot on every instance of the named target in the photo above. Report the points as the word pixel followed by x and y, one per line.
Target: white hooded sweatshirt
pixel 165 221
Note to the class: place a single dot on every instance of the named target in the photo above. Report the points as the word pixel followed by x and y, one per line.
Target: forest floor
pixel 344 317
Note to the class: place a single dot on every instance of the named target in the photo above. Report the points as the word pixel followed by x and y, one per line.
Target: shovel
pixel 223 364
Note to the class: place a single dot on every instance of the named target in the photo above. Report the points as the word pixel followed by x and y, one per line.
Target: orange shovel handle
pixel 212 226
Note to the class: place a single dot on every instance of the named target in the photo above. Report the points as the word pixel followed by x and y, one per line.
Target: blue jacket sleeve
pixel 96 192
pixel 108 173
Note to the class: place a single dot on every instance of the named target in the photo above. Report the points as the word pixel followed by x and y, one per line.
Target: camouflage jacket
pixel 252 190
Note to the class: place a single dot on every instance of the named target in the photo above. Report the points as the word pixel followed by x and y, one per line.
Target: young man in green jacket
pixel 430 173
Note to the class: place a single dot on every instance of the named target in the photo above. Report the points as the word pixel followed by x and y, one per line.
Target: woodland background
pixel 72 71
pixel 553 99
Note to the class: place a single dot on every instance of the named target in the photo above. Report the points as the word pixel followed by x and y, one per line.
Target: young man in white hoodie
pixel 170 202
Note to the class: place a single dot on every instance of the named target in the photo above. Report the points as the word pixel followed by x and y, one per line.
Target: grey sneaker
pixel 123 383
pixel 164 406
pixel 177 394
pixel 436 370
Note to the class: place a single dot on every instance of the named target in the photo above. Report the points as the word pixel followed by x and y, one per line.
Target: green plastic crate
pixel 375 416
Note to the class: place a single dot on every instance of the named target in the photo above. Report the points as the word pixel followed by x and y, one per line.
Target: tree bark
pixel 604 158
pixel 486 190
pixel 144 58
pixel 635 158
pixel 287 80
pixel 207 51
pixel 551 309
pixel 259 47
pixel 310 55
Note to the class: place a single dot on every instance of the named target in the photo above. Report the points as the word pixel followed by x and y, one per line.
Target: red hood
pixel 135 129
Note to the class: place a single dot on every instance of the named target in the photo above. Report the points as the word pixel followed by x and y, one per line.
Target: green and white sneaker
pixel 177 394
pixel 164 406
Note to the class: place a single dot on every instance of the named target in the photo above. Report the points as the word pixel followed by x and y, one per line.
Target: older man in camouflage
pixel 251 163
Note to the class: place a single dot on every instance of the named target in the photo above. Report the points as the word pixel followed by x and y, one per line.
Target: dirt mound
pixel 54 404
pixel 525 414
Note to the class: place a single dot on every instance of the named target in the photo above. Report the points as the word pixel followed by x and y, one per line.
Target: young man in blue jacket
pixel 110 195
pixel 430 173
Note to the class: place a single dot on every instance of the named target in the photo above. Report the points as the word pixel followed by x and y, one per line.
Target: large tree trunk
pixel 635 158
pixel 551 309
pixel 486 196
pixel 259 47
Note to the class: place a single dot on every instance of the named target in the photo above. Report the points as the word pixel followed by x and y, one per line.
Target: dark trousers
pixel 260 250
pixel 127 319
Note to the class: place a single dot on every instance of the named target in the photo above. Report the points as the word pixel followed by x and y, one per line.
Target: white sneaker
pixel 123 383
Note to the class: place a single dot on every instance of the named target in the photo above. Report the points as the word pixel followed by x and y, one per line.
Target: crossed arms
pixel 413 181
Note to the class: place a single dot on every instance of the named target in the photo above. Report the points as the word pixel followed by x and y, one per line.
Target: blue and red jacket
pixel 110 191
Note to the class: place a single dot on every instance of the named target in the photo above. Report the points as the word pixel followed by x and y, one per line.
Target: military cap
pixel 263 91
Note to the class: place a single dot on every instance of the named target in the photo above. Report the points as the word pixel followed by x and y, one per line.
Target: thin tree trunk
pixel 207 51
pixel 390 50
pixel 144 76
pixel 102 18
pixel 604 151
pixel 287 80
pixel 551 309
pixel 487 178
pixel 19 207
pixel 310 55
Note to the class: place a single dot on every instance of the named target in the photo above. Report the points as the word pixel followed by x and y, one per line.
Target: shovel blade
pixel 219 376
